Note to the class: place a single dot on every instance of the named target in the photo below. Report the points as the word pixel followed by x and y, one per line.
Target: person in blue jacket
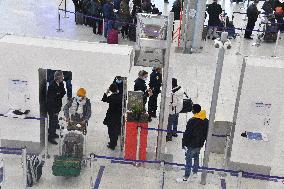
pixel 108 15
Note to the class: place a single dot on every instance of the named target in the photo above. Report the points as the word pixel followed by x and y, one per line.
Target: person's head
pixel 256 1
pixel 196 108
pixel 158 69
pixel 143 74
pixel 174 83
pixel 215 1
pixel 81 94
pixel 113 88
pixel 118 79
pixel 58 76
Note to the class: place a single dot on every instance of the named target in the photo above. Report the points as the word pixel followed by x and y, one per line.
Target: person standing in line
pixel 55 93
pixel 108 15
pixel 124 15
pixel 214 10
pixel 252 14
pixel 113 115
pixel 155 85
pixel 176 105
pixel 193 140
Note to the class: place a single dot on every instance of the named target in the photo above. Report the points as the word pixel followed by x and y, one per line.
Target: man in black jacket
pixel 113 115
pixel 55 93
pixel 252 14
pixel 193 140
pixel 214 10
pixel 155 85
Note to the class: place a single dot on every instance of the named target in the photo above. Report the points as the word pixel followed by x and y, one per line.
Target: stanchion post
pixel 60 140
pixel 138 144
pixel 240 44
pixel 24 164
pixel 276 45
pixel 46 155
pixel 65 15
pixel 103 27
pixel 163 174
pixel 59 23
pixel 239 183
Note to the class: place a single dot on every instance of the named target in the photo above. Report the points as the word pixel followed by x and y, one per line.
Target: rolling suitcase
pixel 66 166
pixel 73 145
pixel 112 36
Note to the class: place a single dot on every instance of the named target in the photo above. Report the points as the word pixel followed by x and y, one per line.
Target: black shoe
pixel 213 38
pixel 110 147
pixel 248 37
pixel 52 141
pixel 174 135
pixel 168 138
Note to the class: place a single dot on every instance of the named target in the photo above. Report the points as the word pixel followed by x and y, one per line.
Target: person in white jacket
pixel 176 104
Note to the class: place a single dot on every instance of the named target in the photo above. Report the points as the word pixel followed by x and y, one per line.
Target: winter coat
pixel 140 85
pixel 268 7
pixel 86 5
pixel 252 12
pixel 55 93
pixel 214 10
pixel 116 4
pixel 94 8
pixel 196 131
pixel 114 112
pixel 155 82
pixel 176 9
pixel 124 13
pixel 87 110
pixel 176 100
pixel 108 11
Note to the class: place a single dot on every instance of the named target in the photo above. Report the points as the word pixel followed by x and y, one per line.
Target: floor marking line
pixel 223 184
pixel 99 177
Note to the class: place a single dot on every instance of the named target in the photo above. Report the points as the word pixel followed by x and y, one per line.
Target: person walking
pixel 193 140
pixel 252 14
pixel 214 10
pixel 113 115
pixel 155 85
pixel 55 93
pixel 176 105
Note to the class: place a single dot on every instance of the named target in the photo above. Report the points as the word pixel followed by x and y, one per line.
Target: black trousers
pixel 124 30
pixel 53 125
pixel 113 133
pixel 152 104
pixel 250 27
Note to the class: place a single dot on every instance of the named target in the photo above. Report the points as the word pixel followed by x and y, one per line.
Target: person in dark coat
pixel 94 11
pixel 176 9
pixel 214 10
pixel 140 85
pixel 124 15
pixel 193 140
pixel 113 115
pixel 155 85
pixel 55 93
pixel 252 14
pixel 108 15
pixel 279 14
pixel 119 83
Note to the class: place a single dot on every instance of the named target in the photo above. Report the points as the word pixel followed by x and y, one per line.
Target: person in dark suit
pixel 55 93
pixel 155 85
pixel 252 14
pixel 113 115
pixel 119 83
pixel 140 85
pixel 214 10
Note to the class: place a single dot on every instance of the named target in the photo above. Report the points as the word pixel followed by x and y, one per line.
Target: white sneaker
pixel 181 180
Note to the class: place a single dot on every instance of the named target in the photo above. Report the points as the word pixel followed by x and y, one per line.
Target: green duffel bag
pixel 66 166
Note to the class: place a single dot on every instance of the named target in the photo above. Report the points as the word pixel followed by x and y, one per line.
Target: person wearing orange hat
pixel 78 109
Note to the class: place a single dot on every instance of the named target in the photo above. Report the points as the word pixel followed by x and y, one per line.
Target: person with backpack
pixel 214 10
pixel 176 105
pixel 193 140
pixel 252 14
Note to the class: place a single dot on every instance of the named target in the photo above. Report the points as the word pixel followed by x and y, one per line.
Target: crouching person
pixel 78 111
pixel 193 140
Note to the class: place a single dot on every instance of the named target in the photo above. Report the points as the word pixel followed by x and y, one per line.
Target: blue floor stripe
pixel 223 184
pixel 99 177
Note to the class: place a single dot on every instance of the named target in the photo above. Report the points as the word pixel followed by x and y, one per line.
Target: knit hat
pixel 81 92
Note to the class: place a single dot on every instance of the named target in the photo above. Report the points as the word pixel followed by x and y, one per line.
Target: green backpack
pixel 66 166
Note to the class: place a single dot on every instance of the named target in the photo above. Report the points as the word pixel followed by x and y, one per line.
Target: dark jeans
pixel 250 27
pixel 53 125
pixel 152 104
pixel 113 132
pixel 192 153
pixel 172 124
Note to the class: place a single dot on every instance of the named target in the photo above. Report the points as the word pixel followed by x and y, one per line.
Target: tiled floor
pixel 194 72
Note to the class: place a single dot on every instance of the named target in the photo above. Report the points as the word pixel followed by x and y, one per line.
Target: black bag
pixel 187 105
pixel 34 169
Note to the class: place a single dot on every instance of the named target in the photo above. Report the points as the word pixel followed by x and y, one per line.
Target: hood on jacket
pixel 201 115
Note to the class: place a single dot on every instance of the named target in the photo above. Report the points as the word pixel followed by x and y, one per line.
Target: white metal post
pixel 59 23
pixel 138 144
pixel 46 155
pixel 218 75
pixel 276 45
pixel 24 163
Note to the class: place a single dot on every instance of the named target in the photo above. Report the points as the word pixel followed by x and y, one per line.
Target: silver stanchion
pixel 240 43
pixel 3 173
pixel 24 165
pixel 60 140
pixel 163 174
pixel 65 15
pixel 239 182
pixel 46 155
pixel 103 27
pixel 138 146
pixel 276 45
pixel 59 23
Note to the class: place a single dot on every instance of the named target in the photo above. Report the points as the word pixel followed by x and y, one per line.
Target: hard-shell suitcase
pixel 66 166
pixel 79 18
pixel 112 36
pixel 73 145
pixel 270 34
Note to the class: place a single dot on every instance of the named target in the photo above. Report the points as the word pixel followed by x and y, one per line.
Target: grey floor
pixel 40 18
